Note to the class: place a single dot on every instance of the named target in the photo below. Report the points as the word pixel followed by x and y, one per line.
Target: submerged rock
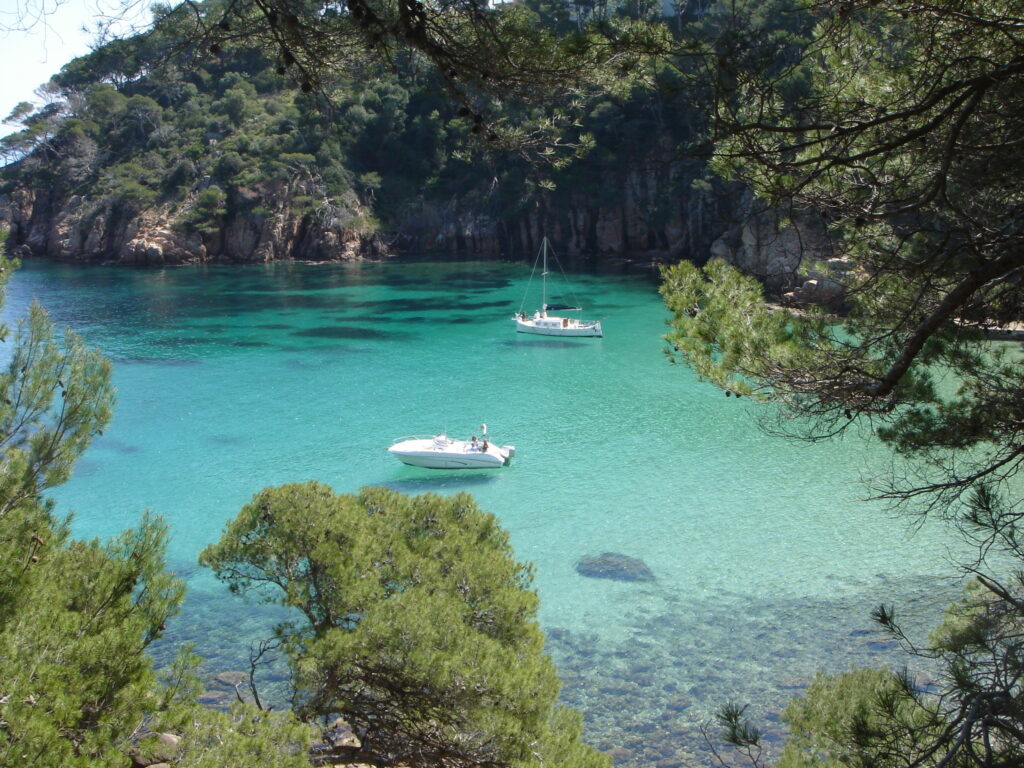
pixel 231 679
pixel 612 565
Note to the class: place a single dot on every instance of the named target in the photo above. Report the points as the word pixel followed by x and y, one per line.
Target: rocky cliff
pixel 258 226
pixel 790 252
pixel 643 216
pixel 651 214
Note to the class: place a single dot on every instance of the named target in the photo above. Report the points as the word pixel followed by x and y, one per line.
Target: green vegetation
pixel 895 123
pixel 132 127
pixel 901 136
pixel 77 687
pixel 206 142
pixel 135 130
pixel 418 626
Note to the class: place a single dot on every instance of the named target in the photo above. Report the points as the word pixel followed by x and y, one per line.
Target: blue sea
pixel 766 555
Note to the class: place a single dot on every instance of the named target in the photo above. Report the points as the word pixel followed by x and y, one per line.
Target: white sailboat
pixel 545 324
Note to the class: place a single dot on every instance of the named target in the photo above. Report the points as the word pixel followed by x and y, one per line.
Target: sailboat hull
pixel 557 326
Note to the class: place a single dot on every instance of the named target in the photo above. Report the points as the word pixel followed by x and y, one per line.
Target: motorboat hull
pixel 431 453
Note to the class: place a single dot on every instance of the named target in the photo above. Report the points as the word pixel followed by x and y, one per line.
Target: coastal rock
pixel 658 214
pixel 655 215
pixel 818 290
pixel 777 249
pixel 155 749
pixel 261 225
pixel 620 754
pixel 613 565
pixel 678 704
pixel 340 734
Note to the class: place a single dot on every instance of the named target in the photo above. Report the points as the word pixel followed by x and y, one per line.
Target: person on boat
pixel 483 446
pixel 474 443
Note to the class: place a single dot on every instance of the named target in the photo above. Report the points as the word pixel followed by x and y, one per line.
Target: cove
pixel 765 559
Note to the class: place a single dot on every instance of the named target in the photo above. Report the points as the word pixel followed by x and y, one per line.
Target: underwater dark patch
pixel 463 305
pixel 221 305
pixel 463 319
pixel 402 305
pixel 117 446
pixel 345 332
pixel 179 341
pixel 86 467
pixel 172 362
pixel 208 328
pixel 346 317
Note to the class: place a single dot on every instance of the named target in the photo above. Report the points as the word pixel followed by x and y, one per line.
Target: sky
pixel 37 37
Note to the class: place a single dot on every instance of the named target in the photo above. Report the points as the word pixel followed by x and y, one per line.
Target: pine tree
pixel 902 140
pixel 77 685
pixel 417 626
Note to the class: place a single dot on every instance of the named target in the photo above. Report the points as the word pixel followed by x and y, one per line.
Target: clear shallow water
pixel 231 379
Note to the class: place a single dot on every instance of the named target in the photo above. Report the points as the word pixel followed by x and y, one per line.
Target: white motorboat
pixel 545 324
pixel 442 452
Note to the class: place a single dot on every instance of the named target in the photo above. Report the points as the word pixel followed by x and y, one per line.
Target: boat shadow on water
pixel 551 342
pixel 438 480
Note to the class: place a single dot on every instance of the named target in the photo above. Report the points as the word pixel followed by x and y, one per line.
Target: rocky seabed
pixel 649 683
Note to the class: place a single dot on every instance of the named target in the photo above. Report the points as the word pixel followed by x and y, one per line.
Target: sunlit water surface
pixel 767 561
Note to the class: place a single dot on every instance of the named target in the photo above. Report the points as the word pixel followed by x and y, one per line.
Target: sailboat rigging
pixel 545 324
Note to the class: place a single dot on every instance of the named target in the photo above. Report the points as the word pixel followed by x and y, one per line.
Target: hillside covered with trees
pixel 148 154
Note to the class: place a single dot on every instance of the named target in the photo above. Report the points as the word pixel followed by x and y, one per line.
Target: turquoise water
pixel 767 561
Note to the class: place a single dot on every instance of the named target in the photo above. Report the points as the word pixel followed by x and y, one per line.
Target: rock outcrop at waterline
pixel 775 249
pixel 137 161
pixel 657 215
pixel 647 220
pixel 654 216
pixel 259 226
pixel 646 225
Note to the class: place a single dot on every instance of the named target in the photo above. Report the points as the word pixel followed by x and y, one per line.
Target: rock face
pixel 260 226
pixel 612 565
pixel 775 248
pixel 648 215
pixel 231 679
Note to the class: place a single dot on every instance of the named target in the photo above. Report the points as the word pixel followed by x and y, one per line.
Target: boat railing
pixel 398 440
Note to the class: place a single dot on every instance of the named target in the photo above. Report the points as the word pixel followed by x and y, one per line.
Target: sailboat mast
pixel 544 277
